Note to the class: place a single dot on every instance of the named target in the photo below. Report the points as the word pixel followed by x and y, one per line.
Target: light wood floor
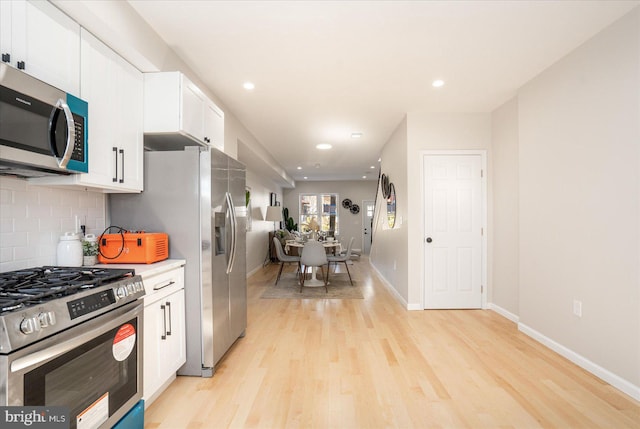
pixel 368 363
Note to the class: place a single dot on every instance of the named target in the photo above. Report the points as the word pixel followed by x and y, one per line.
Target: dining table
pixel 333 246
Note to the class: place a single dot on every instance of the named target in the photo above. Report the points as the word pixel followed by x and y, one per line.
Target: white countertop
pixel 148 270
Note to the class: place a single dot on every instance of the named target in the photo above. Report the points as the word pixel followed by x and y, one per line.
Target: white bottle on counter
pixel 69 250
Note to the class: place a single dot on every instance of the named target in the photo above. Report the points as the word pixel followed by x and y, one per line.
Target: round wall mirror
pixel 391 206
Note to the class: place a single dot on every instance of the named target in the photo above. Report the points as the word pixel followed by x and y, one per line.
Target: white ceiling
pixel 325 69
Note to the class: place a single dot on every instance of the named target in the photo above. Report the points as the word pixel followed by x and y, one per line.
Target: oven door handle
pixel 55 350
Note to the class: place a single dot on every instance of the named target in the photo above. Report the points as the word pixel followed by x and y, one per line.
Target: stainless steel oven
pixel 93 366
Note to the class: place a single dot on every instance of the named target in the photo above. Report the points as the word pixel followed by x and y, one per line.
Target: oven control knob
pixel 47 319
pixel 121 292
pixel 42 319
pixel 30 325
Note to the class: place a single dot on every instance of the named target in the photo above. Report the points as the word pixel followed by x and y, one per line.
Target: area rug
pixel 288 288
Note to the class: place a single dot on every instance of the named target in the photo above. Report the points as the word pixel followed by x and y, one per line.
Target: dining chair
pixel 344 257
pixel 284 258
pixel 314 255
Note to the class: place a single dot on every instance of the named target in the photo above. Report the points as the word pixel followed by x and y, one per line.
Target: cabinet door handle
pixel 164 322
pixel 21 65
pixel 158 287
pixel 169 307
pixel 122 156
pixel 6 58
pixel 115 152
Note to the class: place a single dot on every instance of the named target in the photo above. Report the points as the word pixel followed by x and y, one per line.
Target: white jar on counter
pixel 69 250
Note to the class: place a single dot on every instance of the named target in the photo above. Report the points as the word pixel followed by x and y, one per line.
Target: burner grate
pixel 23 288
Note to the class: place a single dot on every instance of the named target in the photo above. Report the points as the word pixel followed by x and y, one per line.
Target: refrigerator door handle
pixel 234 232
pixel 232 221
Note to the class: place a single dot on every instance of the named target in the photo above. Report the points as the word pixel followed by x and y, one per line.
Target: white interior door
pixel 367 222
pixel 453 228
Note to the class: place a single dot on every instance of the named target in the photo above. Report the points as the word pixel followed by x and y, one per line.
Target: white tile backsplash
pixel 33 217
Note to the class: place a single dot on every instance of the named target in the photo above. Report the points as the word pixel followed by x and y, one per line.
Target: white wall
pixel 32 218
pixel 579 193
pixel 389 248
pixel 503 234
pixel 436 131
pixel 258 237
pixel 398 255
pixel 350 225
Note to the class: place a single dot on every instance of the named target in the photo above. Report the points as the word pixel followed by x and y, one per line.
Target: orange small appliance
pixel 133 248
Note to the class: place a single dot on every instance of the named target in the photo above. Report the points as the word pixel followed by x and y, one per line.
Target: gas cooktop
pixel 38 302
pixel 33 286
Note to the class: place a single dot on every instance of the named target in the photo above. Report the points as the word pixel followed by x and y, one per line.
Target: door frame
pixel 364 217
pixel 483 185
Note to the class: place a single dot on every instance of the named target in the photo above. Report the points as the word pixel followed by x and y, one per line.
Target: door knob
pixel 429 240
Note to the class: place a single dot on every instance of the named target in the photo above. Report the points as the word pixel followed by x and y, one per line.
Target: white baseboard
pixel 255 270
pixel 390 287
pixel 604 374
pixel 504 313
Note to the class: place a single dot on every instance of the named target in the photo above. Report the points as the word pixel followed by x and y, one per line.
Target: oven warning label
pixel 124 342
pixel 95 414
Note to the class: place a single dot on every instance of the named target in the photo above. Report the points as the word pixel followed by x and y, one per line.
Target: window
pixel 321 207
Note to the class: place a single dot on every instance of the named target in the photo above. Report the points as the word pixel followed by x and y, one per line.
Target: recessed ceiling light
pixel 437 83
pixel 379 159
pixel 356 135
pixel 372 167
pixel 323 146
pixel 305 177
pixel 364 177
pixel 249 86
pixel 299 168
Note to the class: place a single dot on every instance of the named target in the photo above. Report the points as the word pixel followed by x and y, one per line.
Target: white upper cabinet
pixel 214 126
pixel 39 39
pixel 178 114
pixel 113 89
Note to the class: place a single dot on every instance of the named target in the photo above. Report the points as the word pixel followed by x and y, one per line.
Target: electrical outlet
pixel 577 308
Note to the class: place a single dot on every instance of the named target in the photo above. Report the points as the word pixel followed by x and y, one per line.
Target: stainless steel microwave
pixel 43 130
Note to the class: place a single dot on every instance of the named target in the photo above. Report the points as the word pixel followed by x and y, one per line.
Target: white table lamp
pixel 274 214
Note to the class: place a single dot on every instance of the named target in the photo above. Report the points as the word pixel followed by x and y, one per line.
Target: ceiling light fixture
pixel 299 168
pixel 364 177
pixel 356 135
pixel 249 86
pixel 437 83
pixel 305 177
pixel 372 167
pixel 323 146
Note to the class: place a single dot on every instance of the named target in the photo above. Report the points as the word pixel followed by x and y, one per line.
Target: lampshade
pixel 274 214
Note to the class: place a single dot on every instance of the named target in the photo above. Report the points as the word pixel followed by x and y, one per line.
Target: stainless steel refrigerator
pixel 197 196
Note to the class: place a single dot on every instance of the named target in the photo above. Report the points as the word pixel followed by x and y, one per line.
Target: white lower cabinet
pixel 164 331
